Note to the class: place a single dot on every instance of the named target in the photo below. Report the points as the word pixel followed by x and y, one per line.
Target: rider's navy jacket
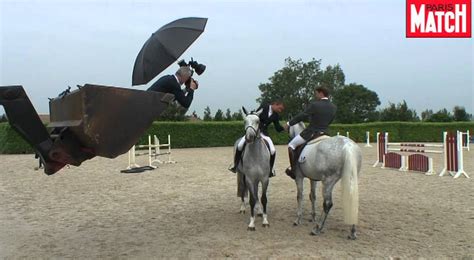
pixel 320 114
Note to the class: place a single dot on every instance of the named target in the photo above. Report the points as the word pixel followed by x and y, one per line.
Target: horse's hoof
pixel 265 225
pixel 251 228
pixel 316 231
pixel 296 223
pixel 352 236
pixel 242 212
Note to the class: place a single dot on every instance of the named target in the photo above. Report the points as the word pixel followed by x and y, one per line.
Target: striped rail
pixel 451 149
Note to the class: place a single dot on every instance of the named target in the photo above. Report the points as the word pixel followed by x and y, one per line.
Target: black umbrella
pixel 165 46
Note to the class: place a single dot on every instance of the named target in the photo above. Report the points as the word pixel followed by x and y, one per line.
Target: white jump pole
pixel 154 150
pixel 156 141
pixel 465 145
pixel 404 166
pixel 367 138
pixel 347 134
pixel 378 151
pixel 468 140
pixel 158 149
pixel 460 159
pixel 445 155
pixel 430 167
pixel 169 150
pixel 131 159
pixel 150 153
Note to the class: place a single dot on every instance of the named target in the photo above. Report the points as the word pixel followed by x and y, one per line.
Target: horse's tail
pixel 350 190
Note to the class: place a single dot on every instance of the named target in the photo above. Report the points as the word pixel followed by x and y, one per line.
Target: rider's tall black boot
pixel 272 162
pixel 237 157
pixel 290 170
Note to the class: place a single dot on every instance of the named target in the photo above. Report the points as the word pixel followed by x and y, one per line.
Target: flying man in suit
pixel 172 84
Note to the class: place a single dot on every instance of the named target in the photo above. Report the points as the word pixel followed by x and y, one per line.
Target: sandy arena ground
pixel 190 210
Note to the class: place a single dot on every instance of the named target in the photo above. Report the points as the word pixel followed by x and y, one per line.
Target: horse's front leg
pixel 264 203
pixel 243 204
pixel 253 194
pixel 312 197
pixel 242 191
pixel 299 199
pixel 259 208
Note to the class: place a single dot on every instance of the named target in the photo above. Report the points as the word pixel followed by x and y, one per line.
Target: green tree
pixel 237 116
pixel 228 115
pixel 442 115
pixel 174 112
pixel 460 114
pixel 296 81
pixel 399 112
pixel 333 77
pixel 207 114
pixel 426 115
pixel 355 104
pixel 219 116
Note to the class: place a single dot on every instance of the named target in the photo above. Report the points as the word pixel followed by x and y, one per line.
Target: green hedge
pixel 11 142
pixel 211 134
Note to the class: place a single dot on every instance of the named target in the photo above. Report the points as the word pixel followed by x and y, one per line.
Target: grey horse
pixel 254 168
pixel 328 161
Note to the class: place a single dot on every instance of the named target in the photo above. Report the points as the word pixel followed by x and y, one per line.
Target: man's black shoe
pixel 290 173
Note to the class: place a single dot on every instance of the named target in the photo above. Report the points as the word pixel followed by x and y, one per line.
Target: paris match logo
pixel 438 18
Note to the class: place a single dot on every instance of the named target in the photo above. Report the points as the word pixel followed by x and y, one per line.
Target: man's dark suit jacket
pixel 265 121
pixel 169 84
pixel 320 113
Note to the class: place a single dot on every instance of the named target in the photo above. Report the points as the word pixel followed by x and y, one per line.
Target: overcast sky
pixel 47 45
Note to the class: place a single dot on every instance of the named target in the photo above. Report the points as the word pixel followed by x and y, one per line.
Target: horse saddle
pixel 317 139
pixel 314 140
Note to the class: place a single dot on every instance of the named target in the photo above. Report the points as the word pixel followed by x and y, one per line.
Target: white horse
pixel 328 161
pixel 253 168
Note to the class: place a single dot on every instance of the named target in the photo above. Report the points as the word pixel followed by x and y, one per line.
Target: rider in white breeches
pixel 320 114
pixel 270 114
pixel 269 141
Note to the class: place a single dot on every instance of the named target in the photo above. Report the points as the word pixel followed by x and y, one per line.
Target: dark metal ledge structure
pixel 91 121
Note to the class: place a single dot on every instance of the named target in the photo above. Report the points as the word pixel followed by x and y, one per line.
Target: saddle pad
pixel 319 139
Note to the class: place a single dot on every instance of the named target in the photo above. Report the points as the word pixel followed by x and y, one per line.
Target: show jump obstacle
pixel 367 138
pixel 465 139
pixel 153 151
pixel 416 160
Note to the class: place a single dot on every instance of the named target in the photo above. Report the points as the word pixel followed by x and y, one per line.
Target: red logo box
pixel 438 18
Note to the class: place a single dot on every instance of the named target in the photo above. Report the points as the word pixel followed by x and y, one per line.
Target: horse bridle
pixel 257 132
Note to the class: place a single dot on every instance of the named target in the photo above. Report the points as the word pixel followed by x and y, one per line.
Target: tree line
pixel 294 84
pixel 296 81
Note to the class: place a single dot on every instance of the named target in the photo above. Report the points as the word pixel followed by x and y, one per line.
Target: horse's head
pixel 252 124
pixel 296 129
